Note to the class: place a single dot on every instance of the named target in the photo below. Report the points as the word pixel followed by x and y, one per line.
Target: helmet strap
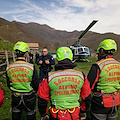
pixel 100 56
pixel 105 53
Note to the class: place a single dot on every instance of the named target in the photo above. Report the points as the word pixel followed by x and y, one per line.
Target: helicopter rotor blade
pixel 85 31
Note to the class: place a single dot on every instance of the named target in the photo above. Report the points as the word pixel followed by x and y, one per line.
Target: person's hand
pixel 46 117
pixel 83 116
pixel 40 62
pixel 47 61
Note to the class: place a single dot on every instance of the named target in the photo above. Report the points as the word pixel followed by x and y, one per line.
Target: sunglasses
pixel 44 51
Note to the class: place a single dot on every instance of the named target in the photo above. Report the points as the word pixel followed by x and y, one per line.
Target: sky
pixel 66 15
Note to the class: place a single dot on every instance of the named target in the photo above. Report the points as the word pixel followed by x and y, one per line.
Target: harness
pixel 105 94
pixel 63 112
pixel 22 101
pixel 113 96
pixel 24 93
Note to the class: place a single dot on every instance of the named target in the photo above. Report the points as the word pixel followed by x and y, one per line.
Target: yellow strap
pixel 62 111
pixel 17 93
pixel 54 111
pixel 71 111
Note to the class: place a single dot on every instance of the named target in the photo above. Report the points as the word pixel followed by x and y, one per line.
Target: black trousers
pixel 95 116
pixel 26 101
pixel 43 74
pixel 99 112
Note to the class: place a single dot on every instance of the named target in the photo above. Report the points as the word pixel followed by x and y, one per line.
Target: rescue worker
pixel 63 89
pixel 1 97
pixel 22 79
pixel 31 57
pixel 104 78
pixel 45 61
pixel 36 57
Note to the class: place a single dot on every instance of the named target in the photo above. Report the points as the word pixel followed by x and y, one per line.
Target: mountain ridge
pixel 49 37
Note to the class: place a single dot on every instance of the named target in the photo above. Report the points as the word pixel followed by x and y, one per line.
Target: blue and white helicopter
pixel 81 52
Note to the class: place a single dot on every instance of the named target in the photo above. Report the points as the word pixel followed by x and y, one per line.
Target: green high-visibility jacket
pixel 20 75
pixel 65 87
pixel 109 78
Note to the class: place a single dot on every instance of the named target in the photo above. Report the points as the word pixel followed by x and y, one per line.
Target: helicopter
pixel 82 52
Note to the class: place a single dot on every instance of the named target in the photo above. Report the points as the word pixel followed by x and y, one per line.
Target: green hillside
pixel 5 45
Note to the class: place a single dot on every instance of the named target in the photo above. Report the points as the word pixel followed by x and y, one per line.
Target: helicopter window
pixel 86 49
pixel 80 50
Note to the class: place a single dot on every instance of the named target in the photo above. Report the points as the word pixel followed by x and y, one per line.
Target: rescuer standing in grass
pixel 63 88
pixel 45 61
pixel 104 78
pixel 22 79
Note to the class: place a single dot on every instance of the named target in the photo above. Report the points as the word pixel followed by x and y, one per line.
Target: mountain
pixel 49 37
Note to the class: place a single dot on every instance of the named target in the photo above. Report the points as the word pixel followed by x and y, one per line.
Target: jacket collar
pixel 20 60
pixel 105 57
pixel 65 64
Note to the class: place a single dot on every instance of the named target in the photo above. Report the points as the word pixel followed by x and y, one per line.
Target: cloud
pixel 69 14
pixel 18 11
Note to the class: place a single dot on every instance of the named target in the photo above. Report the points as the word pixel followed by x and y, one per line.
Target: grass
pixel 85 66
pixel 5 110
pixel 6 46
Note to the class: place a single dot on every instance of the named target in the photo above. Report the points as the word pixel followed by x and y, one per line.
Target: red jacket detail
pixel 96 80
pixel 1 97
pixel 44 90
pixel 85 92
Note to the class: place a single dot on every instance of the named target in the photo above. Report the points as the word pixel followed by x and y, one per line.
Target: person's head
pixel 21 48
pixel 106 47
pixel 44 51
pixel 64 53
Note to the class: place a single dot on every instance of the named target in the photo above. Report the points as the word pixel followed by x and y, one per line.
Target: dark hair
pixel 19 53
pixel 45 48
